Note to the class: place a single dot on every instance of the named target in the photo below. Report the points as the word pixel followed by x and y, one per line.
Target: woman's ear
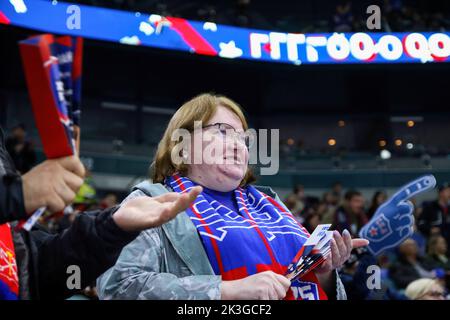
pixel 184 155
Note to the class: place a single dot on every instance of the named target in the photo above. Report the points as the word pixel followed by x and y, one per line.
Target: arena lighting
pixel 410 123
pixel 382 143
pixel 207 38
pixel 331 142
pixel 385 154
pixel 409 146
pixel 398 142
pixel 405 119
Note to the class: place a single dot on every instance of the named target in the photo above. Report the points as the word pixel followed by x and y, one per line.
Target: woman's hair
pixel 200 108
pixel 418 288
pixel 374 202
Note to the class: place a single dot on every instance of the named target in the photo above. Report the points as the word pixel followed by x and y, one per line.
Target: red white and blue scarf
pixel 262 236
pixel 9 282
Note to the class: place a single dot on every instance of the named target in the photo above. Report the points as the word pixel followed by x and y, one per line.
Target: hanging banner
pixel 207 38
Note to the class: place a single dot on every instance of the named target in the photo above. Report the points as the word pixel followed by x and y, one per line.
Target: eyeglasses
pixel 226 131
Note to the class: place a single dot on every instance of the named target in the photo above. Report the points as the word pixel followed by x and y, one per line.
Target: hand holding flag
pixel 49 65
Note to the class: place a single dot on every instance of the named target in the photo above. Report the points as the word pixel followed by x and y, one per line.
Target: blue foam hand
pixel 393 222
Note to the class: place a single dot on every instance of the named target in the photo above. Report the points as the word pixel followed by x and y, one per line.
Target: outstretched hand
pixel 341 248
pixel 144 212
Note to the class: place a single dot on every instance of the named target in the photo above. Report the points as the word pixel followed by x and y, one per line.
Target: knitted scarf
pixel 262 236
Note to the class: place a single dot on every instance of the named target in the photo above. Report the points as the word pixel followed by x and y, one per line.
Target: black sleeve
pixel 425 219
pixel 12 205
pixel 403 275
pixel 11 199
pixel 93 243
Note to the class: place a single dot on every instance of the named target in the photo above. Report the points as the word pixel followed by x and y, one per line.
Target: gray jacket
pixel 168 262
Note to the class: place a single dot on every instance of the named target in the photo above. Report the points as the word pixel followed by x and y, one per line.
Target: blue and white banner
pixel 212 39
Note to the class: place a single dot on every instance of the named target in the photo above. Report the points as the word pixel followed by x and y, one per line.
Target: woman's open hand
pixel 341 248
pixel 141 213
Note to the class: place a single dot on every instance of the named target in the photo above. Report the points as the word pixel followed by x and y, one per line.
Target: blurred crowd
pixel 420 264
pixel 418 269
pixel 348 16
pixel 396 16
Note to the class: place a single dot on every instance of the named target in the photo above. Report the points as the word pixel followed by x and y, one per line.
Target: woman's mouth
pixel 233 159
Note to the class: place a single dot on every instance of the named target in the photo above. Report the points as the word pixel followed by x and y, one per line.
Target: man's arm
pixel 12 205
pixel 95 240
pixel 92 244
pixel 11 199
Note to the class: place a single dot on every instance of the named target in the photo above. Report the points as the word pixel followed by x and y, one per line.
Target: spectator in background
pixel 435 217
pixel 311 219
pixel 207 13
pixel 393 11
pixel 336 189
pixel 291 203
pixel 420 240
pixel 297 199
pixel 242 14
pixel 437 256
pixel 409 266
pixel 354 275
pixel 109 201
pixel 425 289
pixel 350 215
pixel 343 18
pixel 377 200
pixel 20 149
pixel 331 201
pixel 321 208
pixel 437 253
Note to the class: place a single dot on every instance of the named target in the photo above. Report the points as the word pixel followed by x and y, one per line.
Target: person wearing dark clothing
pixel 93 243
pixel 436 257
pixel 377 200
pixel 35 264
pixel 350 215
pixel 435 217
pixel 409 266
pixel 21 150
pixel 356 275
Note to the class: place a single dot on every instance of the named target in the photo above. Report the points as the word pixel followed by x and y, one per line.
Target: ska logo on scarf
pixel 220 219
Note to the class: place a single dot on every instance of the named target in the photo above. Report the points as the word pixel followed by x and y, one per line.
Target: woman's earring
pixel 184 155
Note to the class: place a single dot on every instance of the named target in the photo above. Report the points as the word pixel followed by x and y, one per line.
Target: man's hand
pixel 144 212
pixel 52 184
